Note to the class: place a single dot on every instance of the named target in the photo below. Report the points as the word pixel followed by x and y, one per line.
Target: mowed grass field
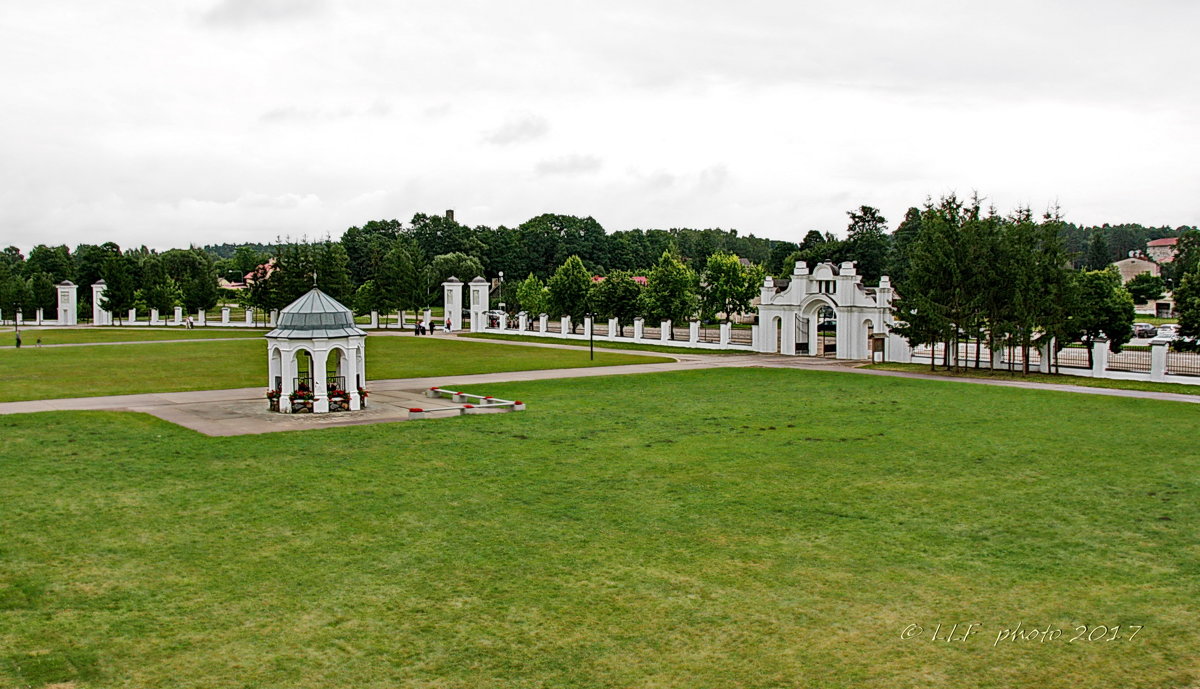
pixel 57 372
pixel 723 528
pixel 57 336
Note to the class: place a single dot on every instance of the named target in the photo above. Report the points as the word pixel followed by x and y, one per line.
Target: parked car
pixel 1169 331
pixel 1144 330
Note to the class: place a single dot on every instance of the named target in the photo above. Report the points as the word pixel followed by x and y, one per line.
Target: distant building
pixel 1162 250
pixel 1136 265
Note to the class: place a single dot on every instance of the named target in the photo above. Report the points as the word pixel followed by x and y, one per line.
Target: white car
pixel 1169 331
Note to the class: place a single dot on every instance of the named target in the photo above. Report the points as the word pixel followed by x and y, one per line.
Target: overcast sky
pixel 204 121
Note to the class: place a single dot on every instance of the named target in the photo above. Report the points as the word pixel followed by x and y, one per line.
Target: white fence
pixel 694 336
pixel 1156 365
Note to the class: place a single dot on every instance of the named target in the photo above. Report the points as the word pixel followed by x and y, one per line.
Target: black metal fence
pixel 1183 363
pixel 1133 360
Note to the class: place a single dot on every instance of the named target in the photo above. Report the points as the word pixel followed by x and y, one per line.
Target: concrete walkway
pixel 244 411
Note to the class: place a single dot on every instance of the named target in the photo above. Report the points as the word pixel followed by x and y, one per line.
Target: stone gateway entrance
pixel 825 312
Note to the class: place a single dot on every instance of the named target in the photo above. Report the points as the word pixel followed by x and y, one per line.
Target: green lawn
pixel 54 336
pixel 602 343
pixel 727 528
pixel 56 372
pixel 1058 379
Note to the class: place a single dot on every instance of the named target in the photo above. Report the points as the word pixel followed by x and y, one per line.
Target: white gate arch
pixel 798 303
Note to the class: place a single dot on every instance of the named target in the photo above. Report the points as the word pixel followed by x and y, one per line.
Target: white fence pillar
pixel 564 325
pixel 502 322
pixel 38 315
pixel 1046 351
pixel 249 316
pixel 224 315
pixel 178 320
pixel 374 319
pixel 428 318
pixel 522 321
pixel 614 327
pixel 1158 359
pixel 693 331
pixel 639 328
pixel 202 317
pixel 131 317
pixel 726 333
pixel 543 323
pixel 1100 356
pixel 664 331
pixel 587 326
pixel 273 318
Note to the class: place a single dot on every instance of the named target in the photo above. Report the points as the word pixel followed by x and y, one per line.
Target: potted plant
pixel 273 399
pixel 362 397
pixel 339 400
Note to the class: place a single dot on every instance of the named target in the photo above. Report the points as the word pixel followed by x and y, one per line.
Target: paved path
pixel 34 345
pixel 243 410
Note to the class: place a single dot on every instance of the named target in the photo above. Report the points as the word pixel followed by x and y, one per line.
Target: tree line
pixel 972 275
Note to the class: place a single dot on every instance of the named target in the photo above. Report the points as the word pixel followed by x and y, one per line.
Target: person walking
pixel 18 339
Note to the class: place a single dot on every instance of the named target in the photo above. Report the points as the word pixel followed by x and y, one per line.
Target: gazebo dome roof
pixel 314 315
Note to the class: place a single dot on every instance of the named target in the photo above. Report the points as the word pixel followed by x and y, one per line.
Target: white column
pixel 726 333
pixel 787 335
pixel 479 304
pixel 502 324
pixel 131 317
pixel 153 316
pixel 320 382
pixel 564 325
pixel 587 326
pixel 350 366
pixel 522 321
pixel 288 373
pixel 543 323
pixel 693 331
pixel 273 318
pixel 1045 350
pixel 754 335
pixel 178 316
pixel 452 290
pixel 664 333
pixel 1100 357
pixel 39 316
pixel 639 328
pixel 427 317
pixel 1158 359
pixel 98 312
pixel 614 327
pixel 249 316
pixel 68 303
pixel 374 319
pixel 224 315
pixel 202 317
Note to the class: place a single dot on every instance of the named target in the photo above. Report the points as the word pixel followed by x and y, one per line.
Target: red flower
pixel 518 402
pixel 415 409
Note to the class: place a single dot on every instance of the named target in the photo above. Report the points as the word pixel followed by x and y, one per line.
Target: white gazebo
pixel 317 357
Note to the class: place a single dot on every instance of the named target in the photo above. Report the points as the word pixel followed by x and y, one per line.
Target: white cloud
pixel 517 130
pixel 572 164
pixel 244 12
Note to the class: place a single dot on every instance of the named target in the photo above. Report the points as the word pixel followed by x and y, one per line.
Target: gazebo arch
pixel 309 330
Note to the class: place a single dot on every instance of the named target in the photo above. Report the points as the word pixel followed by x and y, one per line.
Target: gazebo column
pixel 349 369
pixel 320 381
pixel 287 385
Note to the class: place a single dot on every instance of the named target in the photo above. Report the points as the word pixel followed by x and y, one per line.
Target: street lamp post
pixel 17 327
pixel 592 336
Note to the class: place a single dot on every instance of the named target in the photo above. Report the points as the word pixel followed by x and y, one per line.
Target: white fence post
pixel 374 319
pixel 1046 351
pixel 693 331
pixel 587 326
pixel 1158 359
pixel 1100 356
pixel 639 328
pixel 614 327
pixel 522 321
pixel 202 317
pixel 664 331
pixel 250 316
pixel 564 325
pixel 726 333
pixel 224 315
pixel 543 323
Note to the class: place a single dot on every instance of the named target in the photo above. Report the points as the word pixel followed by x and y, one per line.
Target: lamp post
pixel 17 327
